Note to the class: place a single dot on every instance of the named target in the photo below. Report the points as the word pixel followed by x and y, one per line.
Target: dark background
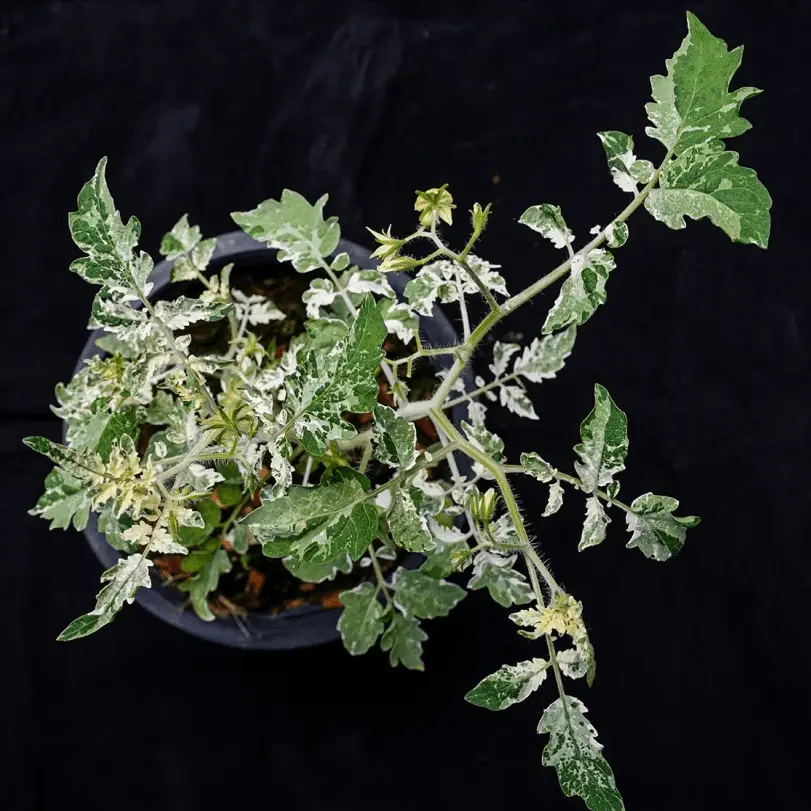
pixel 702 696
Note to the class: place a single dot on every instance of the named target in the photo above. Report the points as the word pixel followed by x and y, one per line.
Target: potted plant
pixel 262 429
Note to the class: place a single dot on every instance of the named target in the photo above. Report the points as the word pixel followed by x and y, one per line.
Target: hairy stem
pixel 506 493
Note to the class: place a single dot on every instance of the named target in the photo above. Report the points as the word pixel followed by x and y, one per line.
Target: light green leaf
pixel 112 526
pixel 64 501
pixel 318 572
pixel 545 357
pixel 692 103
pixel 594 527
pixel 325 333
pixel 418 595
pixel 208 565
pixel 448 554
pixel 395 438
pixel 316 524
pixel 656 532
pixel 180 240
pixel 360 623
pixel 577 756
pixel 582 292
pixel 97 228
pixel 123 580
pixel 296 228
pixel 239 537
pixel 184 246
pixel 509 685
pixel 496 573
pixel 408 526
pixel 706 181
pixel 555 501
pixel 537 467
pixel 604 446
pixel 182 311
pixel 625 169
pixel 325 385
pixel 547 220
pixel 403 639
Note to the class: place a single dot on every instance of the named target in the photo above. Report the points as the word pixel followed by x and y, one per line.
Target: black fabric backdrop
pixel 701 697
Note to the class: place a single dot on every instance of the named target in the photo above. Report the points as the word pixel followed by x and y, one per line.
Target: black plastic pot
pixel 299 627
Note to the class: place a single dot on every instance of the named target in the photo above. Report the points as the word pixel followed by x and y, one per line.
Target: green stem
pixel 381 581
pixel 235 513
pixel 506 493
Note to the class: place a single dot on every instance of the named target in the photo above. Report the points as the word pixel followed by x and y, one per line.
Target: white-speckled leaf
pixel 64 502
pixel 582 292
pixel 548 221
pixel 123 580
pixel 604 442
pixel 395 439
pixel 295 227
pixel 625 169
pixel 403 639
pixel 577 757
pixel 555 500
pixel 496 573
pixel 501 357
pixel 509 685
pixel 545 357
pixel 535 466
pixel 360 623
pixel 516 400
pixel 182 311
pixel 408 526
pixel 316 523
pixel 595 524
pixel 655 531
pixel 97 228
pixel 327 384
pixel 692 103
pixel 707 181
pixel 416 594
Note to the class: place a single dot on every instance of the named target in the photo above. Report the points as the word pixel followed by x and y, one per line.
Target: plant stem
pixel 463 307
pixel 381 580
pixel 506 493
